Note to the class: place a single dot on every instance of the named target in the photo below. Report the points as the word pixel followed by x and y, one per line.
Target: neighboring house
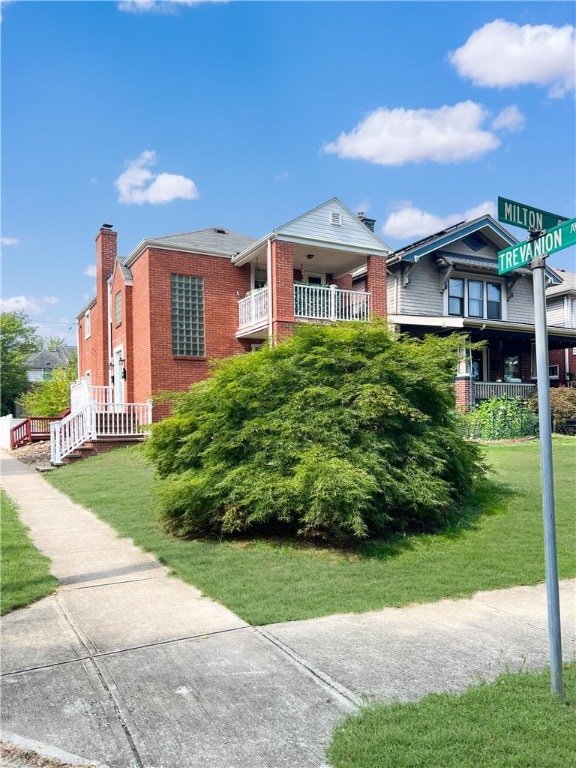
pixel 449 283
pixel 175 303
pixel 40 365
pixel 561 313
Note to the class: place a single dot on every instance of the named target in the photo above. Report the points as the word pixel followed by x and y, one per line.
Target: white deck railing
pixel 71 432
pixel 311 302
pixel 485 390
pixel 315 302
pixel 253 309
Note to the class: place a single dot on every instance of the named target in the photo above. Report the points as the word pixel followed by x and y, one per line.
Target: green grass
pixel 515 722
pixel 499 543
pixel 24 573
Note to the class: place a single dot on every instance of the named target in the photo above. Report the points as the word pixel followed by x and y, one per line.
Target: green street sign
pixel 525 216
pixel 553 240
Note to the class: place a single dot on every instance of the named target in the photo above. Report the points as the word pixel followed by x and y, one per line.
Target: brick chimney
pixel 368 222
pixel 106 251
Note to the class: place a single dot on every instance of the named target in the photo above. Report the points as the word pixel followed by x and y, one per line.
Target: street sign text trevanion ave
pixel 525 216
pixel 553 240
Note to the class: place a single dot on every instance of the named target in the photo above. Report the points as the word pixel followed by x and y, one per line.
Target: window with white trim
pixel 187 292
pixel 118 308
pixel 474 298
pixel 259 277
pixel 87 325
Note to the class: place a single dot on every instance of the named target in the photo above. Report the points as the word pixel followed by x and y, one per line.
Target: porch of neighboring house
pixel 97 422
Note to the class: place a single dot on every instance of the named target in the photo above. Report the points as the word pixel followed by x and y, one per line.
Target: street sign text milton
pixel 519 255
pixel 525 216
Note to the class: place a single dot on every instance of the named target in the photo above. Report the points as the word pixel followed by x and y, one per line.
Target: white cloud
pixel 502 54
pixel 51 299
pixel 411 222
pixel 448 134
pixel 22 304
pixel 10 241
pixel 138 185
pixel 158 6
pixel 90 270
pixel 510 119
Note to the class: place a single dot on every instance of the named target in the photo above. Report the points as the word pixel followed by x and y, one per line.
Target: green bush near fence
pixel 501 419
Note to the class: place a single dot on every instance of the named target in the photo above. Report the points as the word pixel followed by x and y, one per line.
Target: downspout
pixel 109 331
pixel 269 279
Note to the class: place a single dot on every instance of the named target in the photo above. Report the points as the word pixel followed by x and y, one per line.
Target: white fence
pixel 6 424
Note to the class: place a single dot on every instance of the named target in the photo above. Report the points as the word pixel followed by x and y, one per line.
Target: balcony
pixel 311 302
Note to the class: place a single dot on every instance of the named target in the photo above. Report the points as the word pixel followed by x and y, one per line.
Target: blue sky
pixel 161 118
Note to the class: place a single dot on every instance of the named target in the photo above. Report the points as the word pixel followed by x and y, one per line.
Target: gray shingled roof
pixel 212 240
pixel 46 358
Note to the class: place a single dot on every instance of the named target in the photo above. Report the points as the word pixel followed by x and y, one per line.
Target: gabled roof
pixel 331 224
pixel 213 241
pixel 471 233
pixel 48 358
pixel 485 225
pixel 568 284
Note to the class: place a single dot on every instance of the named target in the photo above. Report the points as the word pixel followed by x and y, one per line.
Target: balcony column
pixel 376 284
pixel 281 287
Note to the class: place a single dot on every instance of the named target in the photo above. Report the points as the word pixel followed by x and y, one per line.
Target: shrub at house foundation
pixel 338 431
pixel 562 407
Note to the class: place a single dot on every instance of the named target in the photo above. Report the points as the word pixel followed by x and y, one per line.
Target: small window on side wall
pixel 87 325
pixel 118 308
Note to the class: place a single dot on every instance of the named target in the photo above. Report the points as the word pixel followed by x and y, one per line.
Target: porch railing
pixel 98 420
pixel 311 302
pixel 315 302
pixel 485 390
pixel 253 309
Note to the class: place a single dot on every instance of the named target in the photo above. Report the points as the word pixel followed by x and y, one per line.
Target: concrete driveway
pixel 129 667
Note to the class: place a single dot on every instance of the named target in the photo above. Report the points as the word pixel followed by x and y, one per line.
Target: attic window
pixel 220 231
pixel 335 218
pixel 475 241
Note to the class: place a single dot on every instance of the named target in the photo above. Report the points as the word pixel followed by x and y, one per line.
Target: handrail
pixel 71 432
pixel 20 435
pixel 321 302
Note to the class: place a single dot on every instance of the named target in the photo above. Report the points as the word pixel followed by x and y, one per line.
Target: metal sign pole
pixel 545 419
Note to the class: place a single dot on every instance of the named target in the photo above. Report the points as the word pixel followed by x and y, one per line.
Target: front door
pixel 119 375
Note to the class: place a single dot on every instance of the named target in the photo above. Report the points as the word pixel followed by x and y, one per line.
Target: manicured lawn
pixel 499 543
pixel 24 573
pixel 515 722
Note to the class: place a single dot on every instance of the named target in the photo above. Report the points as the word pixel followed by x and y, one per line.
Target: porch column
pixel 463 383
pixel 376 284
pixel 281 287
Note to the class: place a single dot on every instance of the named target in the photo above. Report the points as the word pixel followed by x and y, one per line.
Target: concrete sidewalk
pixel 129 667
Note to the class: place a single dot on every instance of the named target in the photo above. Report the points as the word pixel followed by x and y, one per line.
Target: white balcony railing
pixel 311 302
pixel 253 309
pixel 318 302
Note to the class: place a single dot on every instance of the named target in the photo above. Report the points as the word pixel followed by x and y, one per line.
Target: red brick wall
pixel 105 260
pixel 344 282
pixel 376 282
pixel 154 368
pixel 558 357
pixel 282 286
pixel 462 393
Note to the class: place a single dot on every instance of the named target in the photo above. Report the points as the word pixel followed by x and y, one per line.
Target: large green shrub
pixel 562 406
pixel 500 418
pixel 337 431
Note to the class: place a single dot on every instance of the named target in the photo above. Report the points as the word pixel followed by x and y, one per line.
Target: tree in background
pixel 18 340
pixel 339 431
pixel 50 398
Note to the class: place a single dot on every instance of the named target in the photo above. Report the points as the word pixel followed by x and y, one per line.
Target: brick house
pixel 175 303
pixel 561 313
